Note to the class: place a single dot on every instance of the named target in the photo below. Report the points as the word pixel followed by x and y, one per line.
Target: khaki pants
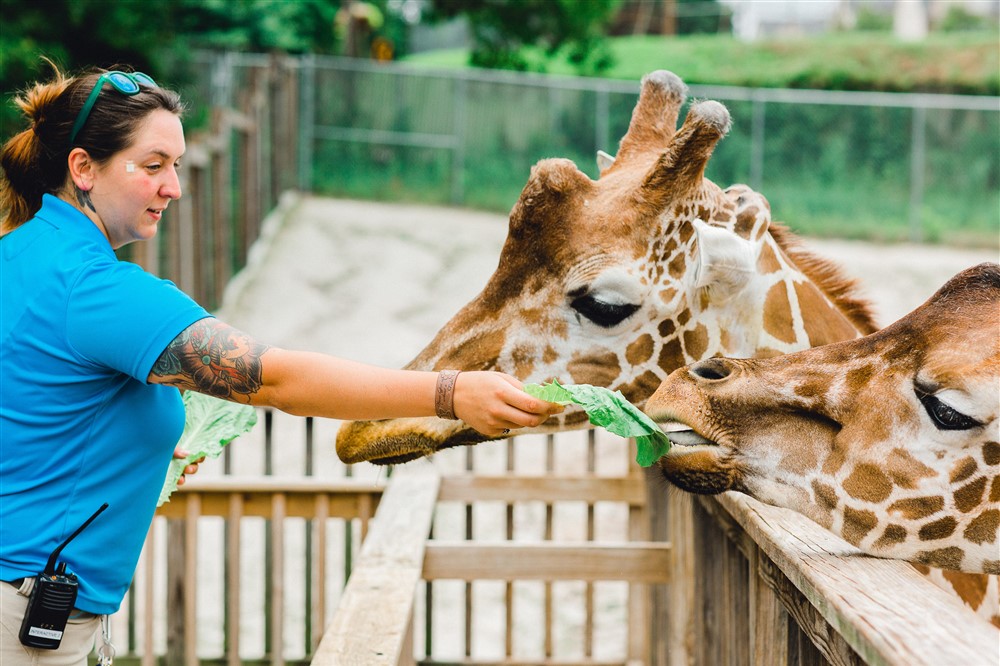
pixel 77 641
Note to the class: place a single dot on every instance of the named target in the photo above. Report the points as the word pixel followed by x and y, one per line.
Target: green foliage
pixel 209 425
pixel 962 63
pixel 960 19
pixel 612 411
pixel 257 25
pixel 153 37
pixel 869 20
pixel 702 16
pixel 568 29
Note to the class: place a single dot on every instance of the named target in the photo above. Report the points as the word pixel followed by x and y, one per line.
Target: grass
pixel 964 63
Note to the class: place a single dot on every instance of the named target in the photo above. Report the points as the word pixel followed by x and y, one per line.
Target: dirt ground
pixel 375 281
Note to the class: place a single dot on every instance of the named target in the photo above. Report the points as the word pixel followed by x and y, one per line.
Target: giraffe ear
pixel 725 260
pixel 604 161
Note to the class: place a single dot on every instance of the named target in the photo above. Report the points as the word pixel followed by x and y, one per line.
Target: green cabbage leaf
pixel 613 412
pixel 209 424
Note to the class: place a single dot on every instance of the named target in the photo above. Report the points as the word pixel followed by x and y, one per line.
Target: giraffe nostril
pixel 711 369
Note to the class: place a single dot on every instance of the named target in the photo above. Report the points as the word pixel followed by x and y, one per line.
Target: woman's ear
pixel 81 169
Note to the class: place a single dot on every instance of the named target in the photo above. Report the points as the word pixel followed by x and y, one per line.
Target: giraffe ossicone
pixel 891 440
pixel 618 281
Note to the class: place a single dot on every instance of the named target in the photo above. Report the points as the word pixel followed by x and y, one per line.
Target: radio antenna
pixel 50 567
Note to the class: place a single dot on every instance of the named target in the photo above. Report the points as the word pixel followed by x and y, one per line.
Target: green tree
pixel 502 29
pixel 148 36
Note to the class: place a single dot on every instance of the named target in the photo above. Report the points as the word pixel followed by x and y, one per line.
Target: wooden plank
pixel 149 567
pixel 374 614
pixel 277 618
pixel 824 638
pixel 346 499
pixel 513 661
pixel 298 505
pixel 273 484
pixel 640 597
pixel 768 619
pixel 636 562
pixel 884 609
pixel 190 584
pixel 675 640
pixel 548 488
pixel 318 610
pixel 233 582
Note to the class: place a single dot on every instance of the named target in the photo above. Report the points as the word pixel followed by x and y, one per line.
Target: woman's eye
pixel 945 417
pixel 601 313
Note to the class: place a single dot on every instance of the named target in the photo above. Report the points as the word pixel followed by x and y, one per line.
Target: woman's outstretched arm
pixel 214 358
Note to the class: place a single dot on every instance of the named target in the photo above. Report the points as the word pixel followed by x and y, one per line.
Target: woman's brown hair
pixel 34 161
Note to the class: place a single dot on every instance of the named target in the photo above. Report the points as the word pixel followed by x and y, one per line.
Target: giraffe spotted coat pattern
pixel 891 441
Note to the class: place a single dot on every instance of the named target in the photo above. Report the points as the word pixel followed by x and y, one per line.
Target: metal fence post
pixel 757 139
pixel 602 121
pixel 307 120
pixel 459 132
pixel 918 160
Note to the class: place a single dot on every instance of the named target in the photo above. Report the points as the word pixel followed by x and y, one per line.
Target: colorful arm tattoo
pixel 214 358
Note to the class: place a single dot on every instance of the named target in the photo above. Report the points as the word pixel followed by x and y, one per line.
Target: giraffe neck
pixel 891 503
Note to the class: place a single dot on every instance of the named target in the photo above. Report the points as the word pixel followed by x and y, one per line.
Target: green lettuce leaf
pixel 209 424
pixel 611 411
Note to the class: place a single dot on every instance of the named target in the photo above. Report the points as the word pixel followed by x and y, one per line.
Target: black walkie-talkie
pixel 52 599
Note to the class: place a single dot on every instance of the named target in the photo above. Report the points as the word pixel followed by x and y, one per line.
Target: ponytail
pixel 30 166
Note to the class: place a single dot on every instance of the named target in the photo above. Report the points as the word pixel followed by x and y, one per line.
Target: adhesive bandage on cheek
pixel 129 166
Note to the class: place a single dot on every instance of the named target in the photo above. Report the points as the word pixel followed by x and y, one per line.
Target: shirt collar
pixel 66 217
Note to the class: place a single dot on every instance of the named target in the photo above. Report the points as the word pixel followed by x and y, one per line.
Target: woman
pixel 95 349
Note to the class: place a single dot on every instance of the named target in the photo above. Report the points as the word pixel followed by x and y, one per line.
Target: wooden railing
pixel 373 624
pixel 748 583
pixel 323 507
pixel 769 586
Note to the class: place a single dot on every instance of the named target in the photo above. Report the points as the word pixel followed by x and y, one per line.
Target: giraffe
pixel 892 441
pixel 618 281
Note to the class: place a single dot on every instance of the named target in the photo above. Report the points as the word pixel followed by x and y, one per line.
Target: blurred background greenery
pixel 857 157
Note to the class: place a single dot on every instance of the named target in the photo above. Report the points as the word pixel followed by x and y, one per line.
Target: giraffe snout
pixel 710 370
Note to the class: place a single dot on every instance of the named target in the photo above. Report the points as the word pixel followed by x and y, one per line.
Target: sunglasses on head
pixel 124 82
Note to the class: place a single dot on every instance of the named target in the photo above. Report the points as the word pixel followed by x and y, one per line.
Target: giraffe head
pixel 891 440
pixel 618 281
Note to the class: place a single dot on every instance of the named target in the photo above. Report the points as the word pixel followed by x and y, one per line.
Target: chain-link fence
pixel 881 166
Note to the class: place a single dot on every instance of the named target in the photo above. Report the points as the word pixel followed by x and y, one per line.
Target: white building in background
pixel 757 19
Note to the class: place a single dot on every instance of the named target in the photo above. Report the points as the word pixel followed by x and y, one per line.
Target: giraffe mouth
pixel 681 434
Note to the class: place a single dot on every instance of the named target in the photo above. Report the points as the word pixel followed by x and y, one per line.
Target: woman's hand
pixel 180 454
pixel 495 402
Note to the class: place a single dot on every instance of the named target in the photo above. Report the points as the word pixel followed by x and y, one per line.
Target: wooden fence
pixel 494 560
pixel 748 584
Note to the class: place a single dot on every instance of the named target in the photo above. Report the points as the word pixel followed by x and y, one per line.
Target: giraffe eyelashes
pixel 944 416
pixel 603 314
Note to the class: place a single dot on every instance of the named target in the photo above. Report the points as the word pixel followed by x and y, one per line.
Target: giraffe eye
pixel 601 313
pixel 946 417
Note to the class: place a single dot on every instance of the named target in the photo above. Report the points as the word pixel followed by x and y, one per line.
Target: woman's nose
pixel 171 189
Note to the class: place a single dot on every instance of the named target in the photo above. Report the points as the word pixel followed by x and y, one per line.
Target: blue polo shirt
pixel 79 425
